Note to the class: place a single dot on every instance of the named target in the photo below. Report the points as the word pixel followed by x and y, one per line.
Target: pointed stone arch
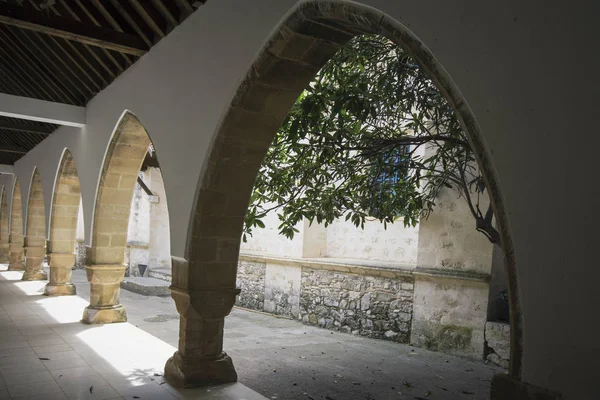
pixel 16 230
pixel 66 200
pixel 106 259
pixel 204 284
pixel 35 231
pixel 4 229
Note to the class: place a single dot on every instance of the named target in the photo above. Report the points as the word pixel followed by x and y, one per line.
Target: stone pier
pixel 200 359
pixel 61 265
pixel 35 251
pixel 16 257
pixel 105 288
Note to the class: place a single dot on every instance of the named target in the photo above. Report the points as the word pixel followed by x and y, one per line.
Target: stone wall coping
pixel 139 245
pixel 472 276
pixel 368 267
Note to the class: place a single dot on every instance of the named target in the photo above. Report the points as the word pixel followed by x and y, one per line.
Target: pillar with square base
pixel 200 359
pixel 16 256
pixel 35 251
pixel 105 289
pixel 61 269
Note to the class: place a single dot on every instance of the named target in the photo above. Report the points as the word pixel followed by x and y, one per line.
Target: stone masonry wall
pixel 251 279
pixel 497 341
pixel 79 254
pixel 369 306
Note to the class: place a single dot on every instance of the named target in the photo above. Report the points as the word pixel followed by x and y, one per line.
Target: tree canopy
pixel 371 137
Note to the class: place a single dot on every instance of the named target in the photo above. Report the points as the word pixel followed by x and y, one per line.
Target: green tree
pixel 370 138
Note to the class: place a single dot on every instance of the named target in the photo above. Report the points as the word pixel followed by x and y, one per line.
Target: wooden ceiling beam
pixel 11 149
pixel 28 18
pixel 21 127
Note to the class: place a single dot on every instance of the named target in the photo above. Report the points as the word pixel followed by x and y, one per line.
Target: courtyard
pixel 46 353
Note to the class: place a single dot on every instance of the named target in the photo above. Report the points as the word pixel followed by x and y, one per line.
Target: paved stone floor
pixel 277 357
pixel 47 354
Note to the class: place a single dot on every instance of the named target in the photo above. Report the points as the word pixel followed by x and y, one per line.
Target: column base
pixel 505 387
pixel 67 289
pixel 16 267
pixel 191 372
pixel 34 276
pixel 104 315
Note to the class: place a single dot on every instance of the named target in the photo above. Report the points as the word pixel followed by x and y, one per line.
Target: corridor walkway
pixel 47 354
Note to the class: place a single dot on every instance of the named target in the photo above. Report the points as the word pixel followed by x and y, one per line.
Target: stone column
pixel 105 289
pixel 4 251
pixel 16 255
pixel 61 269
pixel 35 251
pixel 200 359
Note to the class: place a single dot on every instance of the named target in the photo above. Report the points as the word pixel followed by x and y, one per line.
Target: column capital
pixel 206 303
pixel 105 289
pixel 60 284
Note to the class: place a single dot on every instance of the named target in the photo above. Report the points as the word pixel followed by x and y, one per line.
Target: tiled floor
pixel 47 354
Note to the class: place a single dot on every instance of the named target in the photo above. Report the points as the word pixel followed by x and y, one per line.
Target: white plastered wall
pixel 527 72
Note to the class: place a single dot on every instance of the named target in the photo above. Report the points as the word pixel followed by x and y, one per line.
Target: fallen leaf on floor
pixel 443 388
pixel 157 374
pixel 407 384
pixel 43 358
pixel 92 389
pixel 302 357
pixel 428 393
pixel 466 392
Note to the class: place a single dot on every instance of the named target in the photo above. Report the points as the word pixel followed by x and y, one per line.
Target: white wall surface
pixel 160 243
pixel 396 243
pixel 448 238
pixel 268 240
pixel 527 71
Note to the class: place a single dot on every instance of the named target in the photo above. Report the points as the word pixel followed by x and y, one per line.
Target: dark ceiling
pixel 66 51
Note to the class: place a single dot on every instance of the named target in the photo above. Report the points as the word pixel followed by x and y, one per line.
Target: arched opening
pixel 107 262
pixel 35 234
pixel 16 230
pixel 204 286
pixel 4 229
pixel 148 253
pixel 66 206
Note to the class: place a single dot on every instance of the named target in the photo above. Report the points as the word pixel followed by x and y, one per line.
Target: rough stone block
pixel 146 286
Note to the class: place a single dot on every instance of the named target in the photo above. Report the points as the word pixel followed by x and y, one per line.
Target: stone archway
pixel 4 230
pixel 204 284
pixel 63 227
pixel 35 233
pixel 106 259
pixel 16 230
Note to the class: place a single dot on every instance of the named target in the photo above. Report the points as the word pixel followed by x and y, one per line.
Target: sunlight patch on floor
pixel 30 288
pixel 64 309
pixel 128 349
pixel 11 275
